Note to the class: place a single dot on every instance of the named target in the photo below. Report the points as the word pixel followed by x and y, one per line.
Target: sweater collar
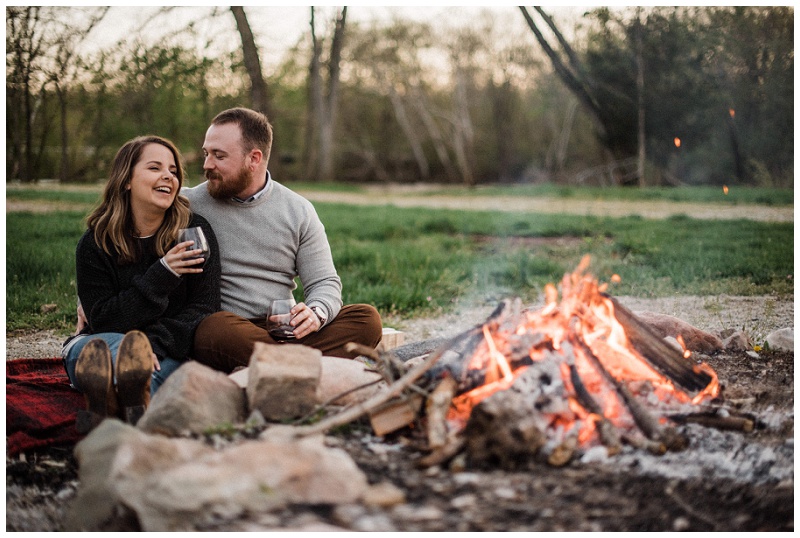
pixel 257 195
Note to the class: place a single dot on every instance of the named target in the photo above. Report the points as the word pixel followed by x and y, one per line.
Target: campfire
pixel 579 373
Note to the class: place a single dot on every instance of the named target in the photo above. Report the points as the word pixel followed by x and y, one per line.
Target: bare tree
pixel 323 103
pixel 259 91
pixel 64 61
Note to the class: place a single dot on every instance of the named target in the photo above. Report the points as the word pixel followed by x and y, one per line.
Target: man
pixel 267 236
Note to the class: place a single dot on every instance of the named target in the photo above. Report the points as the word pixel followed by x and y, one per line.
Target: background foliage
pixel 477 103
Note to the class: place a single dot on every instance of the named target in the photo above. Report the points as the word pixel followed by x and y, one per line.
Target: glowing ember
pixel 725 189
pixel 590 349
pixel 677 142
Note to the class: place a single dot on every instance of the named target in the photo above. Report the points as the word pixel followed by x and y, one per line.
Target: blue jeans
pixel 113 340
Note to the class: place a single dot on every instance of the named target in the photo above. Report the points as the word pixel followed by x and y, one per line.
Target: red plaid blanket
pixel 41 407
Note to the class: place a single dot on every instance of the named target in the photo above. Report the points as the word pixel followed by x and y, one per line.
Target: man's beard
pixel 228 188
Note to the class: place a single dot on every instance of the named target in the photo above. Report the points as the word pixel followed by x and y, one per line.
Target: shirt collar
pixel 256 196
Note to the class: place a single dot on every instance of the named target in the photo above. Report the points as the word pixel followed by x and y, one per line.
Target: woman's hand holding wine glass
pixel 190 252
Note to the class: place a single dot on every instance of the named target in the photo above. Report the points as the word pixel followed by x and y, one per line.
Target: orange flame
pixel 732 112
pixel 725 189
pixel 677 142
pixel 586 317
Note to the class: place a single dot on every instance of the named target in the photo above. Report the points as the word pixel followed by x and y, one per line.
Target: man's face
pixel 225 163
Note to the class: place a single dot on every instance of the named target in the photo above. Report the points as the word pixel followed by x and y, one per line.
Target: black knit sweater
pixel 147 296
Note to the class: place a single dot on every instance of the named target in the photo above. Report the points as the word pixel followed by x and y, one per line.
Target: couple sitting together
pixel 148 303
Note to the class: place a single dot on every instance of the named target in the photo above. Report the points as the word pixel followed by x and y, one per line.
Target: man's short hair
pixel 256 128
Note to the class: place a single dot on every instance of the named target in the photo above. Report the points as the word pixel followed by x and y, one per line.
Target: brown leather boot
pixel 134 370
pixel 93 375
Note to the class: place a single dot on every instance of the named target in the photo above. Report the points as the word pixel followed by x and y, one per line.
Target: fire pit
pixel 581 375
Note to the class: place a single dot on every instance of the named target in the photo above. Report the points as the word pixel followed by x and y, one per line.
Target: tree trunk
pixel 411 134
pixel 314 107
pixel 423 108
pixel 572 80
pixel 62 103
pixel 463 141
pixel 326 128
pixel 640 104
pixel 259 93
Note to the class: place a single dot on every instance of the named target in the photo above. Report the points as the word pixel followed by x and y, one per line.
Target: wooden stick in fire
pixel 658 354
pixel 646 422
pixel 605 429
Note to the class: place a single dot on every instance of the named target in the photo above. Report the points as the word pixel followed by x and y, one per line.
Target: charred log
pixel 647 423
pixel 605 429
pixel 664 358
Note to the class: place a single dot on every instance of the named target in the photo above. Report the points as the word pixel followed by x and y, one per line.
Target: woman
pixel 133 278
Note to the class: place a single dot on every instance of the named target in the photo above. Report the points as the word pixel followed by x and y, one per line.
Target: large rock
pixel 694 338
pixel 192 400
pixel 180 484
pixel 341 381
pixel 781 340
pixel 283 379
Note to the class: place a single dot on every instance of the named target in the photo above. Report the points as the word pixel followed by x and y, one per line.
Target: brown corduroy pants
pixel 224 341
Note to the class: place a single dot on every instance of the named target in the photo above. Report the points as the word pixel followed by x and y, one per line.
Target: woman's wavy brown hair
pixel 112 221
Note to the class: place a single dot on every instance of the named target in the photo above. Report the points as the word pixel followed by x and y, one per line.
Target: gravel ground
pixel 756 315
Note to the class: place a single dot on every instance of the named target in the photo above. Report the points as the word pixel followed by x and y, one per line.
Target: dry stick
pixel 646 422
pixel 363 408
pixel 605 429
pixel 369 352
pixel 331 400
pixel 741 424
pixel 444 454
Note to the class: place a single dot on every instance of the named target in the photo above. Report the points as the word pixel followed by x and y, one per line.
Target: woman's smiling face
pixel 154 182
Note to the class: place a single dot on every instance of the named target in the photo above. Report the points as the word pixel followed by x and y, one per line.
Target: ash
pixel 713 454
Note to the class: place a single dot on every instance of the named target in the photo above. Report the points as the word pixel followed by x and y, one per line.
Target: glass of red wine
pixel 195 234
pixel 278 319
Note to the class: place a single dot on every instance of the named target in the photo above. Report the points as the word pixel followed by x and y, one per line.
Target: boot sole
pixel 134 371
pixel 93 373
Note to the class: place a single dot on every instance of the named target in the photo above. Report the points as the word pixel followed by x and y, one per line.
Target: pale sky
pixel 279 27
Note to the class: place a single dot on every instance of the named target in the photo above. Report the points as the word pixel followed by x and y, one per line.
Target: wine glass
pixel 278 319
pixel 195 234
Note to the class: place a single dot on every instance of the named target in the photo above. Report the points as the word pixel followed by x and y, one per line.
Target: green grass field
pixel 414 262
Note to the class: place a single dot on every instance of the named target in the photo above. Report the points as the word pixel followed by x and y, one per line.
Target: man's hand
pixel 304 320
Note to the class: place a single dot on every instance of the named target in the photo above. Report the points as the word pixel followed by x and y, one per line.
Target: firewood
pixel 642 443
pixel 608 434
pixel 454 445
pixel 712 420
pixel 436 408
pixel 354 347
pixel 562 454
pixel 647 423
pixel 365 407
pixel 395 414
pixel 661 356
pixel 458 350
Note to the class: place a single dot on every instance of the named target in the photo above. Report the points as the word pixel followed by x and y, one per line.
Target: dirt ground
pixel 725 481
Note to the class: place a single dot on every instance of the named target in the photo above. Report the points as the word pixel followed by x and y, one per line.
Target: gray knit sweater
pixel 264 244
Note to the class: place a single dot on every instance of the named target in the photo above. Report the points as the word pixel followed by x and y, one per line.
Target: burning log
pixel 509 428
pixel 691 378
pixel 647 423
pixel 605 429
